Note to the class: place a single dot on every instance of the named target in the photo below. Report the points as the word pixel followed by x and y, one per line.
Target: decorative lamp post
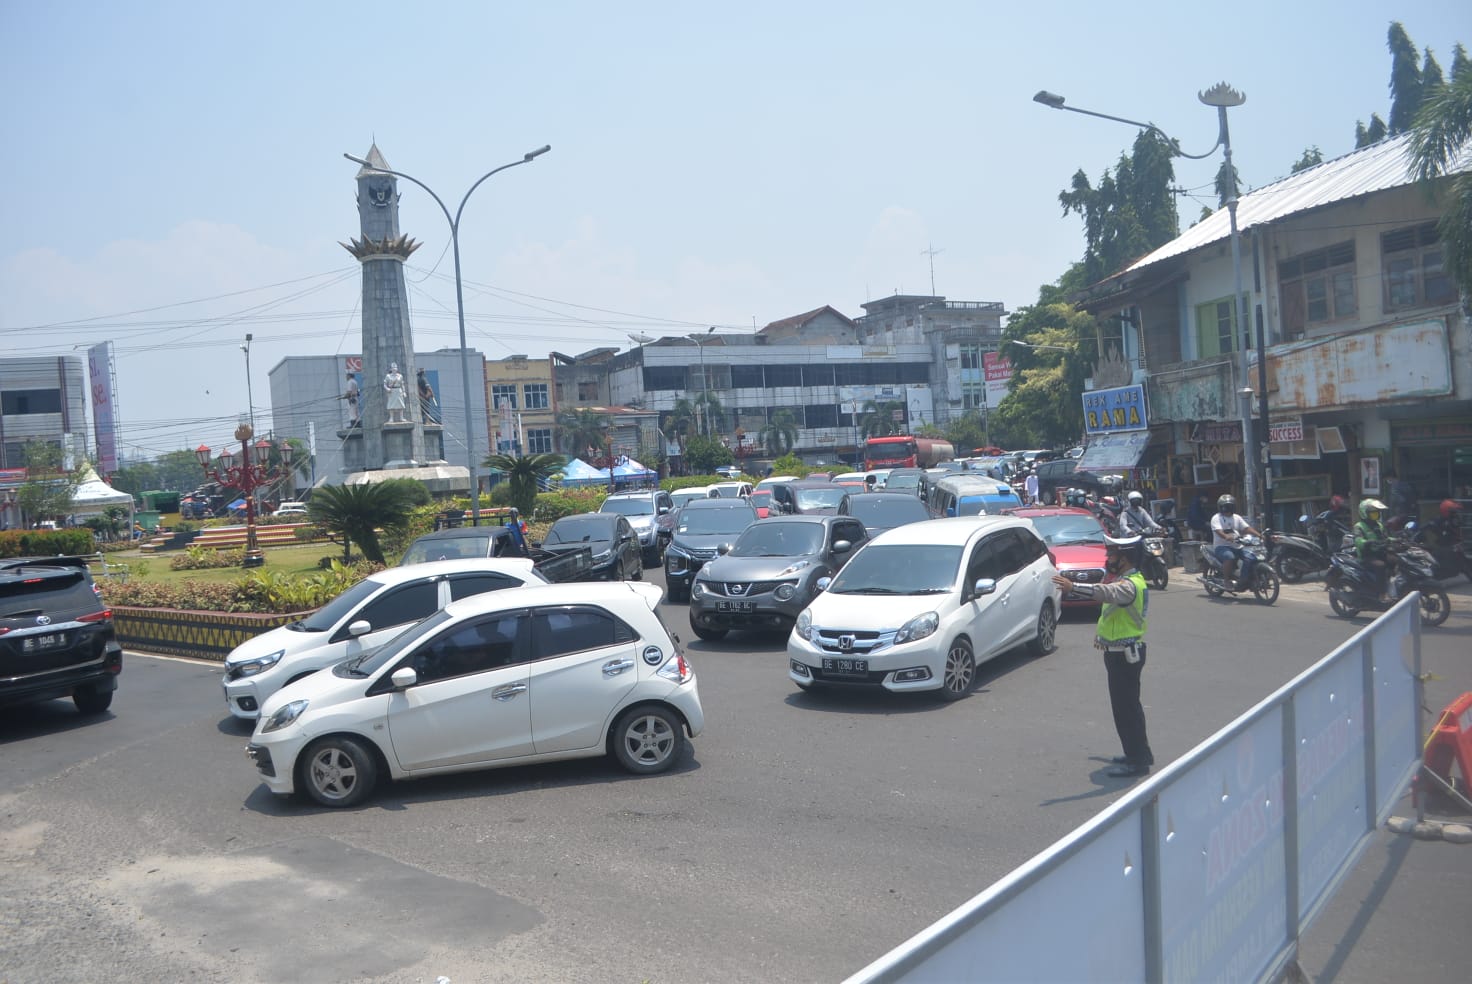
pixel 454 221
pixel 1221 96
pixel 254 472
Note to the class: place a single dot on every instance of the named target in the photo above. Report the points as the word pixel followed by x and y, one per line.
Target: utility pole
pixel 930 252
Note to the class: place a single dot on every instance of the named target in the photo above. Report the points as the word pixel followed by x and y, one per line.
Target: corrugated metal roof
pixel 1378 167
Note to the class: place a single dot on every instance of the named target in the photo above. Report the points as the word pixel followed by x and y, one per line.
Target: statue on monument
pixel 429 405
pixel 393 389
pixel 352 396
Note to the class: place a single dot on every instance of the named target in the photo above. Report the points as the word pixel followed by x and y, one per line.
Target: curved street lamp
pixel 454 221
pixel 254 472
pixel 1223 97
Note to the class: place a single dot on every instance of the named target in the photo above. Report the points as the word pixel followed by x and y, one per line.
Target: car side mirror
pixel 723 549
pixel 1303 519
pixel 950 510
pixel 842 546
pixel 984 586
pixel 404 678
pixel 822 583
pixel 361 627
pixel 663 510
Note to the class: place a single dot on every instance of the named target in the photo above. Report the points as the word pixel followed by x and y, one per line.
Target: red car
pixel 1077 543
pixel 761 500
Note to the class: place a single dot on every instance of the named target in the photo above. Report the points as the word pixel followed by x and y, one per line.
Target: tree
pixel 703 455
pixel 581 429
pixel 780 434
pixel 882 419
pixel 523 473
pixel 1405 79
pixel 712 412
pixel 1441 132
pixel 1311 157
pixel 357 512
pixel 1132 211
pixel 1372 134
pixel 1044 407
pixel 48 490
pixel 970 431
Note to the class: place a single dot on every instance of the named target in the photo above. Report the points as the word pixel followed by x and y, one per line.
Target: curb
pixel 1454 833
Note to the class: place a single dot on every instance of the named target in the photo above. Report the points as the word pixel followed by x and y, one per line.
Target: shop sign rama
pixel 1119 409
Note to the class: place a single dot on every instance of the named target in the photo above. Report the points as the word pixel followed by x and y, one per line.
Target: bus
pixel 906 451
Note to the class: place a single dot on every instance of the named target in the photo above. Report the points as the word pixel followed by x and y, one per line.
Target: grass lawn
pixel 154 568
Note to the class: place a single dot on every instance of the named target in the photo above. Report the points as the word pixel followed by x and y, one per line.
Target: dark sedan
pixel 880 511
pixel 771 573
pixel 701 528
pixel 617 555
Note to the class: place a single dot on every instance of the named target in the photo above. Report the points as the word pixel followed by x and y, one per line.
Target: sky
pixel 177 177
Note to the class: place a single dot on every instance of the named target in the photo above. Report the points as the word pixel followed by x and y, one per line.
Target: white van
pixel 291 509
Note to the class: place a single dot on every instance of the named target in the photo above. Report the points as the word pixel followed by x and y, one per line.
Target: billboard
pixel 1119 409
pixel 99 375
pixel 997 369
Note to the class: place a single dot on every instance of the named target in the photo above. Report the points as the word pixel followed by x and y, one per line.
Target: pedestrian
pixel 1030 485
pixel 1125 603
pixel 1198 518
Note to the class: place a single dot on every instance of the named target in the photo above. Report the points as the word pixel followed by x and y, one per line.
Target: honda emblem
pixel 845 643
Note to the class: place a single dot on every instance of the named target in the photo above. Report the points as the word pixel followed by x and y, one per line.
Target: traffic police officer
pixel 1121 636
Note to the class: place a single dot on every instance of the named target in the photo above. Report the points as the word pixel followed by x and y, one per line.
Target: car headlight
pixel 917 628
pixel 602 556
pixel 285 715
pixel 804 626
pixel 793 569
pixel 251 667
pixel 784 592
pixel 697 590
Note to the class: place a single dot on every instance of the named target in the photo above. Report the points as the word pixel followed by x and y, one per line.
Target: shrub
pixel 262 592
pixel 195 558
pixel 46 543
pixel 552 506
pixel 691 481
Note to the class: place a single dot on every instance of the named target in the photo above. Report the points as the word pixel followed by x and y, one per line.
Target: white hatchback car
pixel 922 604
pixel 545 673
pixel 366 615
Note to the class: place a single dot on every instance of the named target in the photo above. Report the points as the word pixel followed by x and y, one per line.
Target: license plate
pixel 840 665
pixel 36 643
pixel 735 606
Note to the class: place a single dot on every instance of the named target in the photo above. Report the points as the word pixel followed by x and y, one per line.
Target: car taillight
pixel 102 616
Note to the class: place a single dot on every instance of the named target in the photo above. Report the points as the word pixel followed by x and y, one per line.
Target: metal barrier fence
pixel 1218 863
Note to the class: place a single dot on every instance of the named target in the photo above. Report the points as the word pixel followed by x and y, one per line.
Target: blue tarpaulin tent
pixel 629 469
pixel 579 472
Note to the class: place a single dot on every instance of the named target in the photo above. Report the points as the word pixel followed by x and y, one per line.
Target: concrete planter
pixel 202 635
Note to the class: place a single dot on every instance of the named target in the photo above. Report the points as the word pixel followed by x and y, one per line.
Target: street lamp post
pixel 1222 96
pixel 254 472
pixel 454 221
pixel 608 441
pixel 700 341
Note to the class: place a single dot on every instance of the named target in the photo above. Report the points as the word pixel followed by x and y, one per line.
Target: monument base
pixel 440 479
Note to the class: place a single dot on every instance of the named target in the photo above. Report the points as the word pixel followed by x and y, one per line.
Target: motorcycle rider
pixel 1136 519
pixel 1371 542
pixel 1226 527
pixel 1448 524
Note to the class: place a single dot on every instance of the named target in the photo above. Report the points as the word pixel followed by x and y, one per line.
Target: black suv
pixel 56 635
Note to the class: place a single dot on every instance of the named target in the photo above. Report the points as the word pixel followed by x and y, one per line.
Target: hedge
pixel 46 543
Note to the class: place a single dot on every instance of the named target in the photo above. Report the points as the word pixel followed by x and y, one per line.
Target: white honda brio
pixel 508 678
pixel 922 604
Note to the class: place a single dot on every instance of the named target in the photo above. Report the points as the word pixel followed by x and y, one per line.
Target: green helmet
pixel 1370 510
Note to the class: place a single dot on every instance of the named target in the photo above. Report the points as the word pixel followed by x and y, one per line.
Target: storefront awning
pixel 1114 452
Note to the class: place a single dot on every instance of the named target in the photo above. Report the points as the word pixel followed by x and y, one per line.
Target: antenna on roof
pixel 930 252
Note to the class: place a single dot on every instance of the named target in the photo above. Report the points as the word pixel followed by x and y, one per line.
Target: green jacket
pixel 1369 540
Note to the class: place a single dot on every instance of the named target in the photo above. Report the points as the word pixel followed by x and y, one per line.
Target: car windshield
pixel 376 658
pixel 904 482
pixel 447 548
pixel 680 498
pixel 761 499
pixel 629 507
pixel 728 491
pixel 971 505
pixel 333 612
pixel 778 539
pixel 888 510
pixel 1065 531
pixel 820 498
pixel 899 569
pixel 575 530
pixel 714 521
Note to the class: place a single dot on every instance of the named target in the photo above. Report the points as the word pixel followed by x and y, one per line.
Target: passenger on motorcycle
pixel 1226 527
pixel 1371 541
pixel 1339 511
pixel 1136 519
pixel 1448 525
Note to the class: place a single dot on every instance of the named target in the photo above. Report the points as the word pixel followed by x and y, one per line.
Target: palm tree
pixel 523 472
pixel 882 419
pixel 681 422
pixel 579 429
pixel 780 434
pixel 357 512
pixel 1441 131
pixel 713 412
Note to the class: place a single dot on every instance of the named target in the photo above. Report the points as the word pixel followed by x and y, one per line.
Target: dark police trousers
pixel 1124 700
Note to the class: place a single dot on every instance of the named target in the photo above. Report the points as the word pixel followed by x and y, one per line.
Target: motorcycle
pixel 1449 554
pixel 1354 587
pixel 1256 575
pixel 1328 530
pixel 1295 557
pixel 1157 575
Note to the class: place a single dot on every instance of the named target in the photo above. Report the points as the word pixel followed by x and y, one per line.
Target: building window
pixel 656 379
pixel 539 440
pixel 17 402
pixel 787 375
pixel 536 395
pixel 820 415
pixel 970 357
pixel 1216 323
pixel 1316 288
pixel 973 395
pixel 820 374
pixel 747 377
pixel 503 395
pixel 1414 269
pixel 588 389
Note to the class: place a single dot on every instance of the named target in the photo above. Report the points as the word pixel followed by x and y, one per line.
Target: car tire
pixel 337 771
pixel 1046 640
pixel 648 739
pixel 709 635
pixel 958 675
pixel 91 700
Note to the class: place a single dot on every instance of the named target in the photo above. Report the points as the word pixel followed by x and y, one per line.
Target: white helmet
pixel 1136 498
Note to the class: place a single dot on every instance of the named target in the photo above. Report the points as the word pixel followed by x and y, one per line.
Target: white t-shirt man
pixel 1219 523
pixel 1031 485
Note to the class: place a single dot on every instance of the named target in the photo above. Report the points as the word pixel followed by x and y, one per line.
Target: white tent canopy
pixel 93 495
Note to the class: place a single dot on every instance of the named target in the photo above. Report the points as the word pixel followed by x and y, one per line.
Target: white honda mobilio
pixel 507 678
pixel 922 604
